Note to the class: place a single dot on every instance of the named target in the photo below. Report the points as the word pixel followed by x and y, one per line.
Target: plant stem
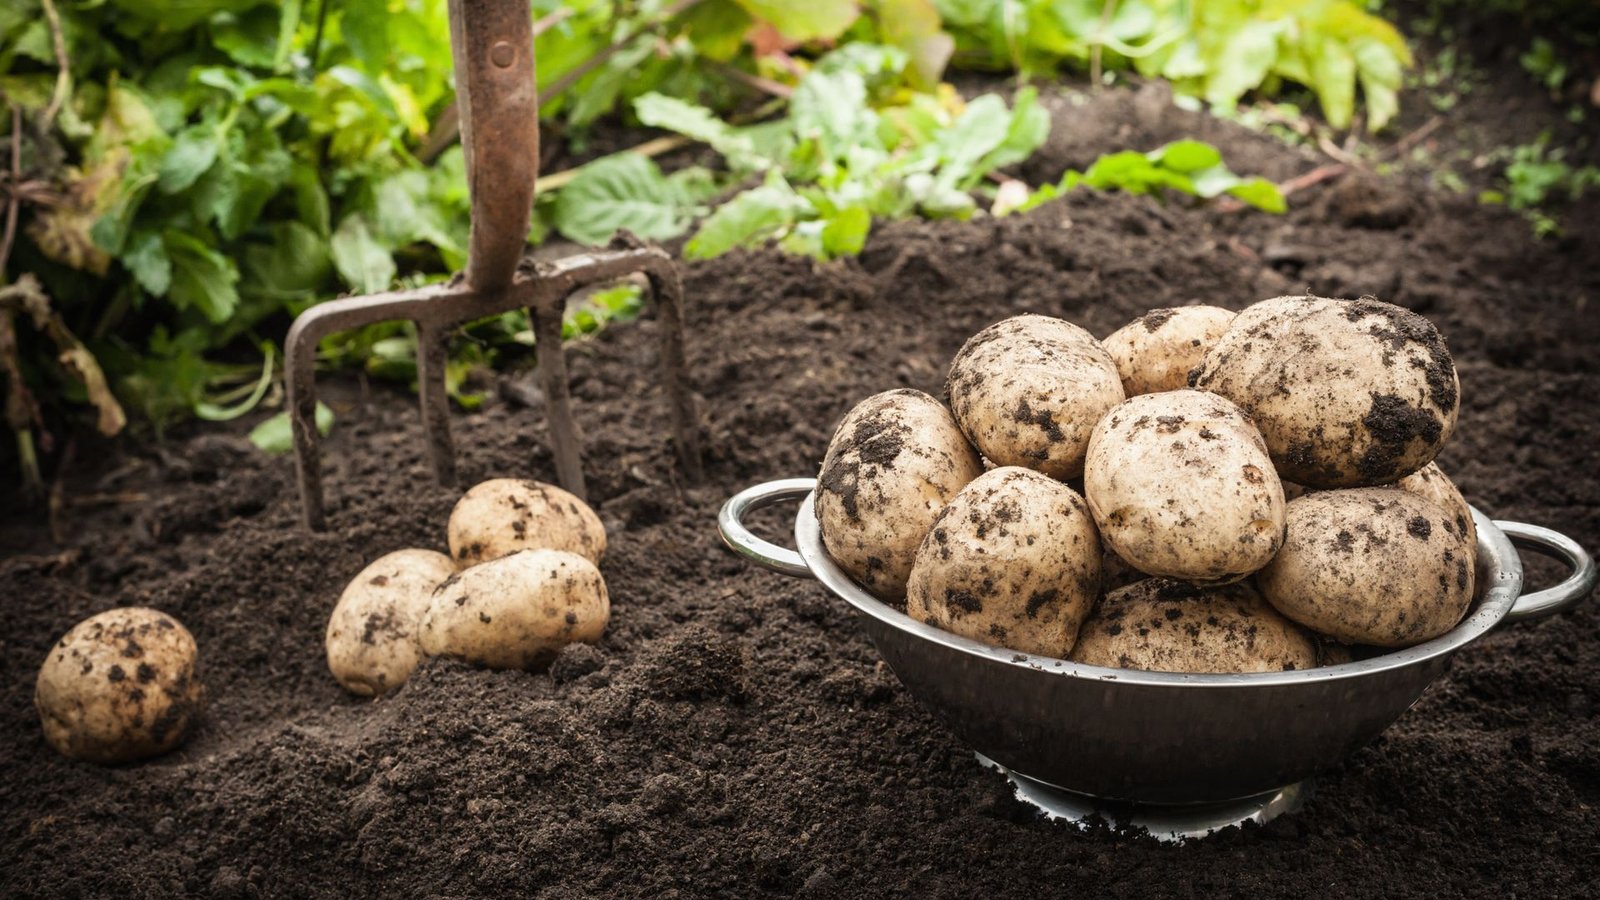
pixel 316 39
pixel 58 42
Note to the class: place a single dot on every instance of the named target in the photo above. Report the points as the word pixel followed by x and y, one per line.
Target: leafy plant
pixel 1537 177
pixel 1188 167
pixel 1218 49
pixel 816 178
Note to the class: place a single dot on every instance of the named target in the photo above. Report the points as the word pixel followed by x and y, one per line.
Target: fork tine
pixel 434 401
pixel 300 374
pixel 564 442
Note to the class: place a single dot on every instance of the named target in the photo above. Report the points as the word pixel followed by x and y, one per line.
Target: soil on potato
pixel 735 733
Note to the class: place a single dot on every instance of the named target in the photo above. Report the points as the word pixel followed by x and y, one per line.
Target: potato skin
pixel 1431 483
pixel 895 460
pixel 1347 393
pixel 371 641
pixel 1156 351
pixel 1376 566
pixel 121 685
pixel 1160 625
pixel 503 515
pixel 1181 486
pixel 1028 390
pixel 1012 561
pixel 518 611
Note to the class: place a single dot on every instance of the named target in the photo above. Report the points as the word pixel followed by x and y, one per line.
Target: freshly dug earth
pixel 734 733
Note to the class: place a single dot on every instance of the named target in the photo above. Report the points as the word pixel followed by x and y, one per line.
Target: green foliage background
pixel 216 166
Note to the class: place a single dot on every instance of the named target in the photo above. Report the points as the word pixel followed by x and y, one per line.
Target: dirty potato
pixel 371 641
pixel 1376 566
pixel 1347 393
pixel 1181 486
pixel 1156 351
pixel 518 611
pixel 1161 625
pixel 895 460
pixel 1430 483
pixel 504 515
pixel 121 685
pixel 1028 391
pixel 1012 561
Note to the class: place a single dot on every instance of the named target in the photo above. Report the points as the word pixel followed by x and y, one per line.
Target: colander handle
pixel 1555 545
pixel 730 524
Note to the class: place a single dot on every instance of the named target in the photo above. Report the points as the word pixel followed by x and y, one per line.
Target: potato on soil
pixel 1430 483
pixel 504 515
pixel 895 460
pixel 1181 486
pixel 1347 393
pixel 371 640
pixel 1161 625
pixel 518 611
pixel 1156 351
pixel 119 686
pixel 1376 566
pixel 1028 391
pixel 1012 561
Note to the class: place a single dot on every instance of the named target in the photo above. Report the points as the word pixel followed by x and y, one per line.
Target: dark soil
pixel 735 733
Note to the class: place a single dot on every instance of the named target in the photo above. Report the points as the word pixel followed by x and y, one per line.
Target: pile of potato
pixel 522 581
pixel 1257 490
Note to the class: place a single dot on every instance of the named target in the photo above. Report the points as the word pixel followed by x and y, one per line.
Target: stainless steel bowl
pixel 1159 737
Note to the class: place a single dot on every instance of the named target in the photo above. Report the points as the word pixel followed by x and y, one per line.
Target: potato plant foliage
pixel 190 175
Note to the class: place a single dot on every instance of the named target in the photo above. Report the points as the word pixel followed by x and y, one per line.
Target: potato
pixel 371 640
pixel 1347 393
pixel 518 611
pixel 1028 391
pixel 1377 566
pixel 121 685
pixel 1161 625
pixel 1430 483
pixel 1156 351
pixel 1181 486
pixel 1012 561
pixel 895 460
pixel 504 515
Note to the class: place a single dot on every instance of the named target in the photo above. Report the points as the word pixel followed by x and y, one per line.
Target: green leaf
pixel 192 153
pixel 1242 62
pixel 625 190
pixel 915 28
pixel 1335 72
pixel 1260 193
pixel 748 219
pixel 362 262
pixel 146 258
pixel 250 39
pixel 808 21
pixel 202 278
pixel 275 434
pixel 294 265
pixel 1186 156
pixel 365 28
pixel 845 233
pixel 831 108
pixel 698 123
pixel 717 28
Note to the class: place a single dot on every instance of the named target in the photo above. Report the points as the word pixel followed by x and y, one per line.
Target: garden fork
pixel 492 43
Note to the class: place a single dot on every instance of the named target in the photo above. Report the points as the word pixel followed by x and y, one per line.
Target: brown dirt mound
pixel 735 733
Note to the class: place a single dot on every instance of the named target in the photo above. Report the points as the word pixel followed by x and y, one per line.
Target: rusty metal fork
pixel 492 43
